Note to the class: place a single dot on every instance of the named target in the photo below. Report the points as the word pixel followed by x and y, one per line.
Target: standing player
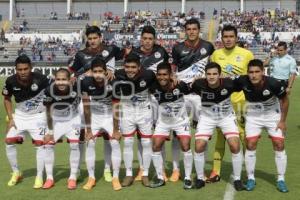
pixel 233 61
pixel 28 89
pixel 81 65
pixel 190 58
pixel 151 55
pixel 216 111
pixel 132 90
pixel 63 118
pixel 267 107
pixel 97 100
pixel 172 117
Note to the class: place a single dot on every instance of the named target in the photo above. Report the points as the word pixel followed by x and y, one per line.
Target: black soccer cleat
pixel 238 185
pixel 157 183
pixel 199 183
pixel 187 184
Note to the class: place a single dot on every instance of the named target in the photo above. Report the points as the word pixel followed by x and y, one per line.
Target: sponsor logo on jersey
pixel 176 91
pixel 34 87
pixel 92 88
pixel 203 51
pixel 195 68
pixel 16 89
pixel 246 89
pixel 224 92
pixel 168 109
pixel 105 53
pixel 157 55
pixel 142 83
pixel 185 52
pixel 87 57
pixel 266 92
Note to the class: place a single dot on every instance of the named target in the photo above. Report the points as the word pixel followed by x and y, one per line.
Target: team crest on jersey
pixel 228 68
pixel 109 88
pixel 203 51
pixel 34 87
pixel 73 94
pixel 157 55
pixel 238 58
pixel 105 53
pixel 176 91
pixel 224 92
pixel 266 92
pixel 142 83
pixel 5 91
pixel 170 60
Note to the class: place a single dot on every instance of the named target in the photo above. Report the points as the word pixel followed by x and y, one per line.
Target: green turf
pixel 265 172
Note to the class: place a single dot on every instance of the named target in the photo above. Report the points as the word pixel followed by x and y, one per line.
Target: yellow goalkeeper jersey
pixel 233 62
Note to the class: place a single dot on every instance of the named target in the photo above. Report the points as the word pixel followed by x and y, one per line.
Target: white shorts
pixel 182 128
pixel 139 120
pixel 102 125
pixel 35 125
pixel 70 129
pixel 81 112
pixel 206 126
pixel 154 105
pixel 255 124
pixel 193 105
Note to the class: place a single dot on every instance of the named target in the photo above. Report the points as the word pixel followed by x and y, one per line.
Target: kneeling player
pixel 216 111
pixel 172 117
pixel 97 99
pixel 28 90
pixel 62 100
pixel 267 108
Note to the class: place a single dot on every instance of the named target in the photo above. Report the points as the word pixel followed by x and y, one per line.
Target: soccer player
pixel 172 117
pixel 151 55
pixel 97 100
pixel 283 67
pixel 63 119
pixel 233 61
pixel 267 107
pixel 28 89
pixel 189 58
pixel 81 65
pixel 216 111
pixel 131 87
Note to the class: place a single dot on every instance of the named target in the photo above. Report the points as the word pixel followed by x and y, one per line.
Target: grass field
pixel 265 171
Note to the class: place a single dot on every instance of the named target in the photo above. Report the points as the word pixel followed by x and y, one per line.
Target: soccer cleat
pixel 187 184
pixel 90 184
pixel 48 184
pixel 250 185
pixel 175 176
pixel 199 183
pixel 127 181
pixel 72 184
pixel 157 183
pixel 107 175
pixel 213 178
pixel 139 175
pixel 145 181
pixel 116 184
pixel 238 185
pixel 281 186
pixel 16 177
pixel 38 183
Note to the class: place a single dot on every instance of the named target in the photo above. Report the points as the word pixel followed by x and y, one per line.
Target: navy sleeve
pixel 76 64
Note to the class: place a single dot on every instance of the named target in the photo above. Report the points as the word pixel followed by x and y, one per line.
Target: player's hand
pixel 288 91
pixel 88 73
pixel 110 75
pixel 10 124
pixel 48 139
pixel 282 126
pixel 116 135
pixel 88 135
pixel 175 80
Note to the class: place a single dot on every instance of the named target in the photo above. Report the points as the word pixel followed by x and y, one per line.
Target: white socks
pixel 147 152
pixel 199 159
pixel 74 160
pixel 158 164
pixel 188 164
pixel 281 163
pixel 107 154
pixel 237 164
pixel 11 153
pixel 40 155
pixel 49 160
pixel 90 157
pixel 128 154
pixel 250 161
pixel 175 153
pixel 115 157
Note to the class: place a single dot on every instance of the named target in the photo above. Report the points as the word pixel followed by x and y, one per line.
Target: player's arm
pixel 284 106
pixel 9 111
pixel 293 74
pixel 87 115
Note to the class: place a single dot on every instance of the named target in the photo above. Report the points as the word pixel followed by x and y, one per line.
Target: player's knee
pixel 200 146
pixel 278 145
pixel 251 145
pixel 185 148
pixel 128 142
pixel 91 144
pixel 74 146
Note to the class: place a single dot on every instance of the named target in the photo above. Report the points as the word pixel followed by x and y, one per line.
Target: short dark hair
pixel 91 30
pixel 149 29
pixel 256 63
pixel 282 44
pixel 98 62
pixel 24 59
pixel 192 21
pixel 164 65
pixel 132 57
pixel 63 70
pixel 212 65
pixel 229 28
